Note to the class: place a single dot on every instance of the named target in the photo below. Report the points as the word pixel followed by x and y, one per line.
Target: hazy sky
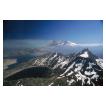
pixel 88 31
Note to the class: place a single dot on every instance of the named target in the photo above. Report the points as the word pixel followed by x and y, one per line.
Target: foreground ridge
pixel 81 69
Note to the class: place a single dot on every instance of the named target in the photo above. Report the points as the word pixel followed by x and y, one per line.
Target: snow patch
pixel 95 77
pixel 61 62
pixel 54 56
pixel 81 77
pixel 88 82
pixel 90 73
pixel 100 62
pixel 79 66
pixel 90 65
pixel 64 63
pixel 70 82
pixel 60 77
pixel 70 73
pixel 51 83
pixel 85 55
pixel 71 66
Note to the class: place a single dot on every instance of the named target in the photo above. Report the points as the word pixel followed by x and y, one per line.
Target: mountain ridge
pixel 81 69
pixel 84 64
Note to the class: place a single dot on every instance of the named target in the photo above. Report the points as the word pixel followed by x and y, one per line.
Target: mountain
pixel 56 69
pixel 61 43
pixel 69 43
pixel 67 47
pixel 83 68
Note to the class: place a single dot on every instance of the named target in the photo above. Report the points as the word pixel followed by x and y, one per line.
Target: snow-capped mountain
pixel 61 43
pixel 68 43
pixel 83 68
pixel 53 60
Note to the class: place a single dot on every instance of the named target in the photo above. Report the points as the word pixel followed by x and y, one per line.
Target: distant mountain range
pixel 58 43
pixel 61 46
pixel 71 44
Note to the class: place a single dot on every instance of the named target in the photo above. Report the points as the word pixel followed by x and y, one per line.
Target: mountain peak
pixel 61 43
pixel 85 54
pixel 69 43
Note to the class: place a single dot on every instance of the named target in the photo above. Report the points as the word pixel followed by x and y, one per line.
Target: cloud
pixel 91 44
pixel 69 43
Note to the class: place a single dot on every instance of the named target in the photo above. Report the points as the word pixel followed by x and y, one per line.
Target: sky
pixel 79 31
